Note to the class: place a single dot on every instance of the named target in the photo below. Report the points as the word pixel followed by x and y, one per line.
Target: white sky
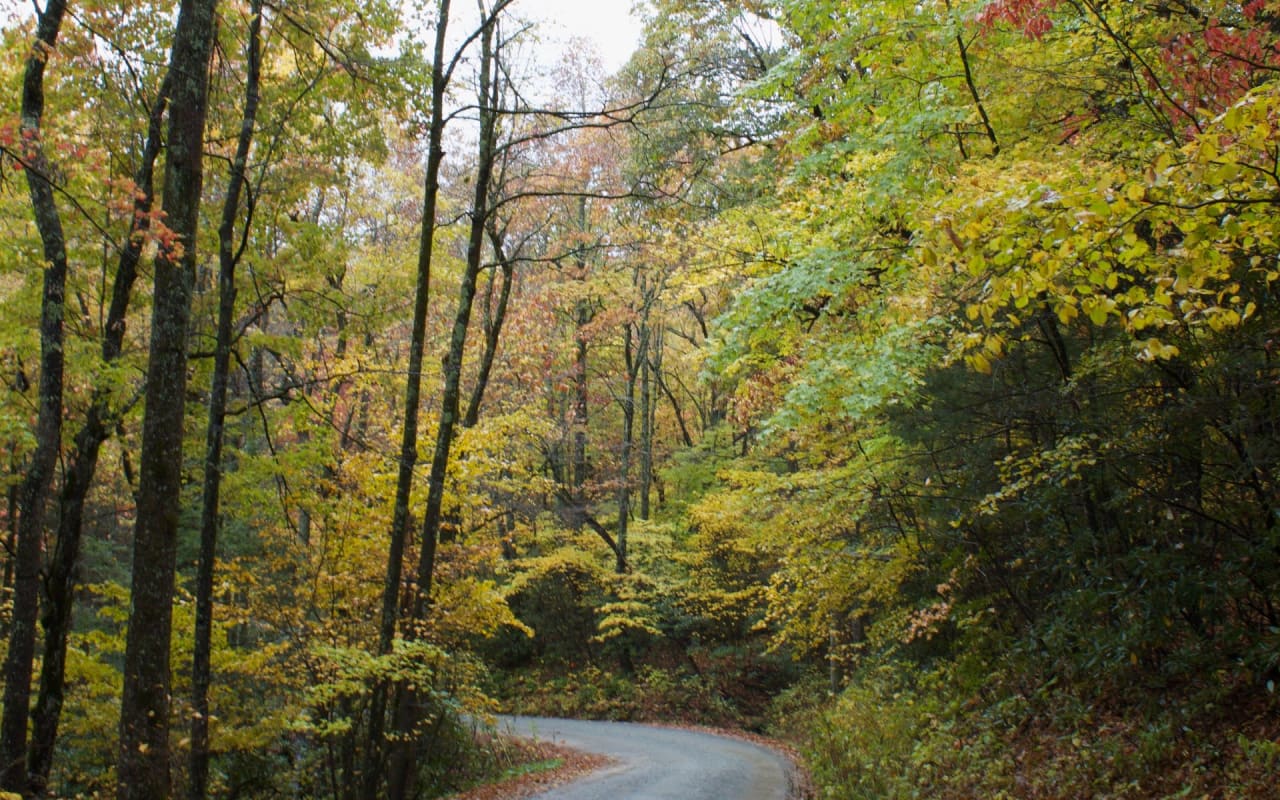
pixel 608 23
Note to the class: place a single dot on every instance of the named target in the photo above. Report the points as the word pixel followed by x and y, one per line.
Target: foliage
pixel 1000 367
pixel 251 719
pixel 929 348
pixel 947 735
pixel 654 693
pixel 446 685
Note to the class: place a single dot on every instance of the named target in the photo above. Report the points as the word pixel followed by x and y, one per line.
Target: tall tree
pixel 400 780
pixel 487 97
pixel 228 255
pixel 33 496
pixel 101 420
pixel 143 766
pixel 441 74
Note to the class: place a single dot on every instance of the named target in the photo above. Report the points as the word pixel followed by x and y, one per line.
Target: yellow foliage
pixel 1150 250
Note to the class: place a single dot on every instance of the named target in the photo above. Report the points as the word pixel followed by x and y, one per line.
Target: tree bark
pixel 582 317
pixel 635 350
pixel 202 648
pixel 143 766
pixel 495 316
pixel 391 590
pixel 648 367
pixel 676 409
pixel 10 540
pixel 59 584
pixel 33 495
pixel 451 396
pixel 400 779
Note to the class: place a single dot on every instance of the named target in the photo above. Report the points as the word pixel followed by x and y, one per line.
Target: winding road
pixel 652 763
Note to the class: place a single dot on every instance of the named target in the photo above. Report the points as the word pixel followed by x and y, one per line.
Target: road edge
pixel 576 764
pixel 799 779
pixel 580 764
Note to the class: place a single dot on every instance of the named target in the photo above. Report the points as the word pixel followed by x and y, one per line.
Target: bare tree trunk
pixel 202 649
pixel 33 495
pixel 143 766
pixel 647 369
pixel 400 778
pixel 374 757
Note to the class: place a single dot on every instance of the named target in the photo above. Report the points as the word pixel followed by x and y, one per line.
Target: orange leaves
pixel 125 200
pixel 168 241
pixel 122 196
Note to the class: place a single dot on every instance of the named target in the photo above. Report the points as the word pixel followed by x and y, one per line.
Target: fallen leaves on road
pixel 573 764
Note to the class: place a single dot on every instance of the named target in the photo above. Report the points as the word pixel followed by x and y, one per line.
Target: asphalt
pixel 653 763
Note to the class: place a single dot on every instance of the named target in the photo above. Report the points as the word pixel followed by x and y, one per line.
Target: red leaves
pixel 122 194
pixel 1213 68
pixel 126 200
pixel 1030 16
pixel 168 241
pixel 1205 62
pixel 1253 8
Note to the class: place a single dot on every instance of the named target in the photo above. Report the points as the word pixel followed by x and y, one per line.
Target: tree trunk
pixel 451 397
pixel 373 761
pixel 202 648
pixel 143 767
pixel 33 495
pixel 494 319
pixel 400 779
pixel 100 421
pixel 635 355
pixel 647 369
pixel 676 409
pixel 582 317
pixel 10 540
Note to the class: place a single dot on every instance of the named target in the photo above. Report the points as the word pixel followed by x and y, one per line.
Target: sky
pixel 608 23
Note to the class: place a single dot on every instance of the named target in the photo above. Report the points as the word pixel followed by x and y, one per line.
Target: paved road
pixel 660 763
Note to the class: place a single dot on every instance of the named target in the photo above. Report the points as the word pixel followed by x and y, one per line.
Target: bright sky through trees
pixel 609 24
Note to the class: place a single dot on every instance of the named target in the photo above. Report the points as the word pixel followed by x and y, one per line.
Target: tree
pixel 441 73
pixel 33 494
pixel 983 351
pixel 102 417
pixel 128 202
pixel 228 255
pixel 143 770
pixel 407 715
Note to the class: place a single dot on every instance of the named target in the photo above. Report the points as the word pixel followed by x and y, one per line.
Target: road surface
pixel 653 763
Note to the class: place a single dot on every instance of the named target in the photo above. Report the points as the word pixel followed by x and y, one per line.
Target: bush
pixel 943 735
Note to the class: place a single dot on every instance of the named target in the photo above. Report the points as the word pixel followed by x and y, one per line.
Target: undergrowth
pixel 928 735
pixel 592 692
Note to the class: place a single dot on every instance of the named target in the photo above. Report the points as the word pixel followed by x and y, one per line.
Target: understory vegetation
pixel 899 380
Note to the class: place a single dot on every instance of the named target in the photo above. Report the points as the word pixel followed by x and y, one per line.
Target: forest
pixel 900 380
